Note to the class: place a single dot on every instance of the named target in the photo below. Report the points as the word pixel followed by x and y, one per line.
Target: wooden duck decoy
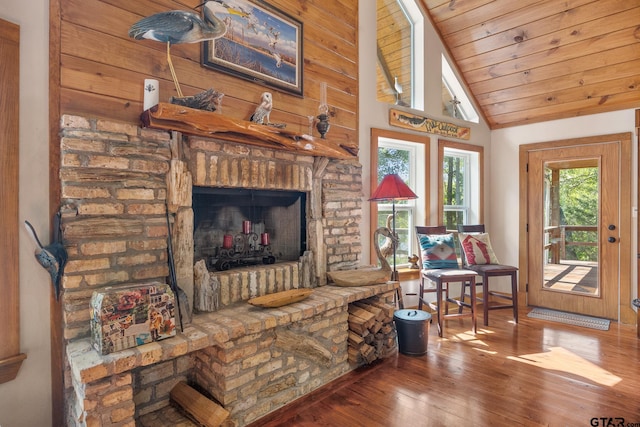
pixel 366 276
pixel 387 247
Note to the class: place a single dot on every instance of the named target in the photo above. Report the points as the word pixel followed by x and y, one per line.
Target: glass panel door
pixel 570 211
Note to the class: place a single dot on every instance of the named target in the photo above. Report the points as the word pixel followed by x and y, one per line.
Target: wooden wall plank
pixel 100 63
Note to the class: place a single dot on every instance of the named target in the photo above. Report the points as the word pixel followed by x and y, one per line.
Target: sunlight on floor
pixel 469 337
pixel 562 360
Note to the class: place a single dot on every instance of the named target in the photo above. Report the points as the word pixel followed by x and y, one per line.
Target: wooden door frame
pixel 627 314
pixel 56 321
pixel 10 356
pixel 638 228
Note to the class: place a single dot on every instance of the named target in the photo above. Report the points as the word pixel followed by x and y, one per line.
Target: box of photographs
pixel 125 317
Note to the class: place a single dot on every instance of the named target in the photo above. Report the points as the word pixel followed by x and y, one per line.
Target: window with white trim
pixel 400 51
pixel 455 102
pixel 461 184
pixel 408 159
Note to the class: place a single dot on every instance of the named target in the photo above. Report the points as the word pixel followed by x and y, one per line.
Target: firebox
pixel 238 227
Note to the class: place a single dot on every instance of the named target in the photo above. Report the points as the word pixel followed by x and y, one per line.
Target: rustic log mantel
pixel 205 123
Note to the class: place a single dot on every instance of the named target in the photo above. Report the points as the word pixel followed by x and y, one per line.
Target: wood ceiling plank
pixel 554 55
pixel 574 22
pixel 485 32
pixel 432 4
pixel 455 15
pixel 576 65
pixel 392 22
pixel 589 30
pixel 398 57
pixel 565 96
pixel 579 79
pixel 573 109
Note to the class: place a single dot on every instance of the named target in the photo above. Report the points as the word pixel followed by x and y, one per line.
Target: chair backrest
pixel 466 228
pixel 435 229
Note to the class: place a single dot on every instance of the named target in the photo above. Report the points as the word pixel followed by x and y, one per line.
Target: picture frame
pixel 262 44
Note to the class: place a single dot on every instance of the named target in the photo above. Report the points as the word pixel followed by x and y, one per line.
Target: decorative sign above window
pixel 424 124
pixel 262 44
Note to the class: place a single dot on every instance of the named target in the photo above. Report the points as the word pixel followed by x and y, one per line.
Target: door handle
pixel 611 239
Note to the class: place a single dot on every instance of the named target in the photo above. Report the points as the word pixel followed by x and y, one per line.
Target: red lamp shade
pixel 392 187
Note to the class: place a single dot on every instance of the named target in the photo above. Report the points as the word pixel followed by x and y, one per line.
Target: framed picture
pixel 262 44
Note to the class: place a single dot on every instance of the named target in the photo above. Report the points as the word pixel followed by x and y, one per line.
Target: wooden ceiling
pixel 532 61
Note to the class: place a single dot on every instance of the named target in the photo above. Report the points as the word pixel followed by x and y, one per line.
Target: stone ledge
pixel 212 329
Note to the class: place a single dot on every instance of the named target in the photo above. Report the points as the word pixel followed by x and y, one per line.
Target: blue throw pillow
pixel 438 251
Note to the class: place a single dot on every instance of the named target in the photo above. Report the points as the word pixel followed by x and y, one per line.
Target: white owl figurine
pixel 263 110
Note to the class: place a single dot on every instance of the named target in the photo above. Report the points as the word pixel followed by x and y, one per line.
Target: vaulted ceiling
pixel 530 61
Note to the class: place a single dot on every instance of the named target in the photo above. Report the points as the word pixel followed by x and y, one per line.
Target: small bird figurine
pixel 179 26
pixel 263 110
pixel 209 100
pixel 413 260
pixel 52 257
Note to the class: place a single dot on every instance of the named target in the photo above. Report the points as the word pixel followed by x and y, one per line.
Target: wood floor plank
pixel 536 373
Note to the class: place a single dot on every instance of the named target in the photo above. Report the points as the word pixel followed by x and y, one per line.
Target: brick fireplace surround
pixel 117 181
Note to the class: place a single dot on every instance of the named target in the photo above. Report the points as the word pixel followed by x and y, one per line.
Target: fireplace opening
pixel 239 227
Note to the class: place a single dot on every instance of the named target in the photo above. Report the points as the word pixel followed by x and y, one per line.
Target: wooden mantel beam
pixel 209 124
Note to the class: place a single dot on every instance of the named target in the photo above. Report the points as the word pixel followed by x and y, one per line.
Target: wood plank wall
pixel 102 70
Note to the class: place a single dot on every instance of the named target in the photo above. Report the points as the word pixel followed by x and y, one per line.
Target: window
pixel 460 189
pixel 408 156
pixel 400 50
pixel 455 102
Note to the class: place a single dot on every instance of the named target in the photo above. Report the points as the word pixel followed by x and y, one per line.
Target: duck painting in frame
pixel 262 44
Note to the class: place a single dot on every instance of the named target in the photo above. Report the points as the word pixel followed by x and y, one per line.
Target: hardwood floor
pixel 531 374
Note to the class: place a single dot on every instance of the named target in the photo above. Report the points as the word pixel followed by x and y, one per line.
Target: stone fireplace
pixel 118 182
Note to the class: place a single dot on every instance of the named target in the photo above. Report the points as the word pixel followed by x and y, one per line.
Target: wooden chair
pixel 442 277
pixel 492 270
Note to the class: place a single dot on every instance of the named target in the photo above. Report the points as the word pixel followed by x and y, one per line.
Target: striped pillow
pixel 438 251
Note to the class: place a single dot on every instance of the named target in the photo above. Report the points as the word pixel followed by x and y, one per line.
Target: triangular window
pixel 455 102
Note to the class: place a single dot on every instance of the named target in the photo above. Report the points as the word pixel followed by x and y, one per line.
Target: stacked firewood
pixel 372 333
